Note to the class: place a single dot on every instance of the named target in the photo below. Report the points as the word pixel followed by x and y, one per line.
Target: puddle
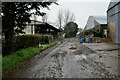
pixel 77 53
pixel 107 49
pixel 72 48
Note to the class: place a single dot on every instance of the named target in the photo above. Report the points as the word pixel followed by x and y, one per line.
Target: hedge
pixel 24 41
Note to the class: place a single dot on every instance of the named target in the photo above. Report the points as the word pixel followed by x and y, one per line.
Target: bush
pixel 24 41
pixel 89 32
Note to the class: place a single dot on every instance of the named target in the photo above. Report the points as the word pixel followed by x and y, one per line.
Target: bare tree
pixel 60 18
pixel 68 17
pixel 64 17
pixel 45 18
pixel 72 18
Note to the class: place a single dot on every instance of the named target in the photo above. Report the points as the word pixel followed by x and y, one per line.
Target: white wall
pixel 28 30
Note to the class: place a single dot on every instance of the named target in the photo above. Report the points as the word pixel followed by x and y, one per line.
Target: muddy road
pixel 68 59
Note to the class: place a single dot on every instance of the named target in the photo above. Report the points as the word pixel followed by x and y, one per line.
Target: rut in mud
pixel 68 59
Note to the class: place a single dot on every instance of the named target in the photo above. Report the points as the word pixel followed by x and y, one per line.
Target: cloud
pixel 84 0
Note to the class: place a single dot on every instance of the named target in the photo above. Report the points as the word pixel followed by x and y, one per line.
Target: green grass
pixel 0 62
pixel 21 55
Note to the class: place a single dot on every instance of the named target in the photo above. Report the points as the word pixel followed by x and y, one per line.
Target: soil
pixel 64 61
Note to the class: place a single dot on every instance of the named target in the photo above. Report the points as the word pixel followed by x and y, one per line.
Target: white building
pixel 30 28
pixel 41 28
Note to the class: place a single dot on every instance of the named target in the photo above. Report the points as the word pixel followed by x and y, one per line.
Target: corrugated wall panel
pixel 114 17
pixel 119 23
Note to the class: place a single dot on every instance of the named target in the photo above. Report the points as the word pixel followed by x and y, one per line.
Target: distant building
pixel 94 21
pixel 40 28
pixel 97 23
pixel 113 20
pixel 30 28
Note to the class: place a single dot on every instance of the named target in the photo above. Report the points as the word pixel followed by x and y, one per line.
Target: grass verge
pixel 0 62
pixel 21 55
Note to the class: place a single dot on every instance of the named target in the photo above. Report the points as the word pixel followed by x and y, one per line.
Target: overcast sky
pixel 82 9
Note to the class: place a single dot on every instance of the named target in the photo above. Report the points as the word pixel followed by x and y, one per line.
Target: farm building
pixel 94 21
pixel 98 23
pixel 113 20
pixel 37 27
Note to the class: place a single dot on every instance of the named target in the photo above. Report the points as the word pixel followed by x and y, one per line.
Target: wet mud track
pixel 68 59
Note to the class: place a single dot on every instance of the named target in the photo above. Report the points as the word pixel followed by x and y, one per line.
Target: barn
pixel 98 23
pixel 94 21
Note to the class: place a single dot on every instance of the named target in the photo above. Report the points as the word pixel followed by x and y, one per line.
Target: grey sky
pixel 82 9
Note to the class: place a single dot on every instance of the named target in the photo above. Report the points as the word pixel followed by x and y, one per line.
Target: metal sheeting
pixel 101 19
pixel 90 23
pixel 94 21
pixel 119 25
pixel 113 3
pixel 113 15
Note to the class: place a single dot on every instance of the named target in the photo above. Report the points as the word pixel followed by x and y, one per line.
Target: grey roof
pixel 94 21
pixel 101 19
pixel 113 3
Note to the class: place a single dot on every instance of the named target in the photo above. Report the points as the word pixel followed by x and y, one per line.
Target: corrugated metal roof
pixel 113 3
pixel 101 19
pixel 94 21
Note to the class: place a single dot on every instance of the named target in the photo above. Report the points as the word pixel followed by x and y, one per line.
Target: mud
pixel 84 61
pixel 73 47
pixel 77 52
